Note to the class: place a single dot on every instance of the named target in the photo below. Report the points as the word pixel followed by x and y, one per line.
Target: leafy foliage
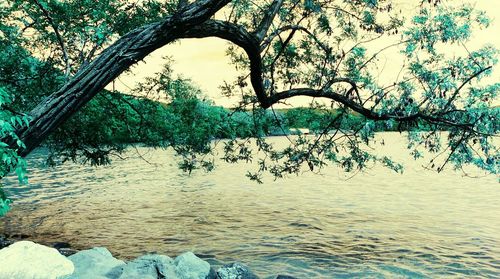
pixel 320 49
pixel 323 45
pixel 9 121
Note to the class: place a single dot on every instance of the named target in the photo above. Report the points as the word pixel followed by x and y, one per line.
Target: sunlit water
pixel 378 224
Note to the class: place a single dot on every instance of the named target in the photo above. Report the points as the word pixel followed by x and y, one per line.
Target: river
pixel 377 224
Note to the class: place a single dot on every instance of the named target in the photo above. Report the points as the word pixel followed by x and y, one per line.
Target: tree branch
pixel 239 36
pixel 60 40
pixel 369 114
pixel 455 94
pixel 266 22
pixel 278 31
pixel 191 21
pixel 92 78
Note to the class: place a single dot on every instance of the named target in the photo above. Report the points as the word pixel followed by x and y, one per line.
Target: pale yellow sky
pixel 205 63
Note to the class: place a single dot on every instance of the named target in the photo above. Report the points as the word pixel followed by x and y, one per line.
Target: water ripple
pixel 375 225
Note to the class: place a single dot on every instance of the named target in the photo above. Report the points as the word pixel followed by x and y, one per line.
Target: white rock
pixel 95 263
pixel 28 260
pixel 189 266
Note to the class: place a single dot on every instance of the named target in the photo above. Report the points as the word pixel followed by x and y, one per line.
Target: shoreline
pixel 59 260
pixel 64 248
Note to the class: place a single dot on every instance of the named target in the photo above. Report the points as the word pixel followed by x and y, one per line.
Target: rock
pixel 61 245
pixel 26 259
pixel 189 266
pixel 96 263
pixel 149 267
pixel 285 277
pixel 19 236
pixel 64 248
pixel 235 271
pixel 212 274
pixel 4 241
pixel 67 251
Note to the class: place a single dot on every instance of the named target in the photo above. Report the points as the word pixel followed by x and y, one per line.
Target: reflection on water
pixel 378 224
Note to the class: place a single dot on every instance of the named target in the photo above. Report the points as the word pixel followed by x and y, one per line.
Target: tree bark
pixel 193 21
pixel 113 61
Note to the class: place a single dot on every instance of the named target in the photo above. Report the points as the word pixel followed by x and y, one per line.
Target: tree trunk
pixel 91 79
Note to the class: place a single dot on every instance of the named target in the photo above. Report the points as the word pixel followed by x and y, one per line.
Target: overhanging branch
pixel 267 20
pixel 239 36
pixel 93 77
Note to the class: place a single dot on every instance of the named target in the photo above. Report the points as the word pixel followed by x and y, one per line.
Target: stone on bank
pixel 95 263
pixel 98 263
pixel 26 259
pixel 189 266
pixel 235 271
pixel 149 267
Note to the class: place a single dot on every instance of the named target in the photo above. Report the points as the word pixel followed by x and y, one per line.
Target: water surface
pixel 378 224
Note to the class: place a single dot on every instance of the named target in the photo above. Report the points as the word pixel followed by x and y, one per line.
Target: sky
pixel 205 63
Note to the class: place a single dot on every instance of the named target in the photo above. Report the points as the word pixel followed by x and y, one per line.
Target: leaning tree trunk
pixel 89 80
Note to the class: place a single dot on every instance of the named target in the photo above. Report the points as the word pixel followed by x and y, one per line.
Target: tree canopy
pixel 57 56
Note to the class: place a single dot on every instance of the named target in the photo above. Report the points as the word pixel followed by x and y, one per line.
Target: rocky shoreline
pixel 26 259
